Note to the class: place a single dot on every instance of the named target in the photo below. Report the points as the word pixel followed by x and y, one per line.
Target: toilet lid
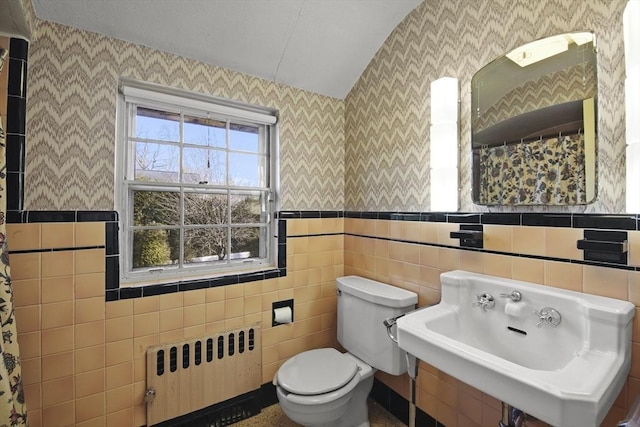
pixel 316 372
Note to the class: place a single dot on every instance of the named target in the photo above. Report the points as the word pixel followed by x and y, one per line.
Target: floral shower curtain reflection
pixel 545 171
pixel 13 411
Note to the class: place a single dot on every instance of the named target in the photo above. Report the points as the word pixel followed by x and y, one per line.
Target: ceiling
pixel 321 46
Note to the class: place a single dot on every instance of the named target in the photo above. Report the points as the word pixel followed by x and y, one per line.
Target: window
pixel 196 182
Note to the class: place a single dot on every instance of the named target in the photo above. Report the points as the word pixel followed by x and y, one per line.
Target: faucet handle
pixel 484 301
pixel 514 295
pixel 548 316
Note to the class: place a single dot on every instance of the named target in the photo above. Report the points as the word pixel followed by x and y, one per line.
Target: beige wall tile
pixel 194 315
pixel 471 261
pixel 119 375
pixel 122 418
pixel 33 395
pixel 497 265
pixel 89 407
pixel 63 414
pixel 26 292
pixel 448 259
pixel 57 314
pixel 527 269
pixel 634 287
pixel 89 285
pixel 146 324
pixel 88 383
pixel 55 264
pixel 57 366
pixel 171 319
pixel 498 237
pixel 57 340
pixel 562 242
pixel 57 235
pixel 89 358
pixel 119 352
pixel 146 305
pixel 608 282
pixel 57 391
pixel 89 261
pixel 25 266
pixel 563 275
pixel 194 297
pixel 89 334
pixel 27 318
pixel 444 236
pixel 22 237
pixel 120 308
pixel 32 371
pixel 119 328
pixel 528 240
pixel 56 289
pixel 89 234
pixel 90 309
pixel 120 398
pixel 29 344
pixel 174 300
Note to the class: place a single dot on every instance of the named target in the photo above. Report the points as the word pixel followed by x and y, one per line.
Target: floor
pixel 273 416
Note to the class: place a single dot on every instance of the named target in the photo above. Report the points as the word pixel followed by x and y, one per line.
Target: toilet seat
pixel 316 372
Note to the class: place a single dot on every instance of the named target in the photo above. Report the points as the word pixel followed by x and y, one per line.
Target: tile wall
pixel 83 358
pixel 412 255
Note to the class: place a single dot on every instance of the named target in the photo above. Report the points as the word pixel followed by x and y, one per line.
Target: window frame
pixel 188 103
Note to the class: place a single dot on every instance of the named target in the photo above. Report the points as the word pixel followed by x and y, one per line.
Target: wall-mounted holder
pixel 470 235
pixel 281 312
pixel 604 246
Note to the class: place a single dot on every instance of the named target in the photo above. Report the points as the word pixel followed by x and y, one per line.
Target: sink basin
pixel 564 365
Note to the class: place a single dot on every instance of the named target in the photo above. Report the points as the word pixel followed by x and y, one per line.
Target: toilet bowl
pixel 324 387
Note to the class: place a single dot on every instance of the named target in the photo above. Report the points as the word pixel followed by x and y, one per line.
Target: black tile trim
pixel 75 248
pixel 18 48
pixel 393 402
pixel 25 217
pixel 616 222
pixel 600 221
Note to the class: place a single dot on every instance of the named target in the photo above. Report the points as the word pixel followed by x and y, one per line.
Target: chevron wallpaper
pixel 387 112
pixel 71 111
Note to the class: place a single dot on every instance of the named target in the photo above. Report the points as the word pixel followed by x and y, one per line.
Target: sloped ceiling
pixel 318 45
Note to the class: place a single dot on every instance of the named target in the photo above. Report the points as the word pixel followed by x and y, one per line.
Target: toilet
pixel 324 387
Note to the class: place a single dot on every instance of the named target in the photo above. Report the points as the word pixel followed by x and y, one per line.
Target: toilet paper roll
pixel 282 315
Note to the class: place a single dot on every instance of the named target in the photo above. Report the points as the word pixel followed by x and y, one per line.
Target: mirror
pixel 533 125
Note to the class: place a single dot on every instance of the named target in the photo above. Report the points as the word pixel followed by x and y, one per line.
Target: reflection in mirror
pixel 533 125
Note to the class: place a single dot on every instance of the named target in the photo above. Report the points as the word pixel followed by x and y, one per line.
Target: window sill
pixel 212 277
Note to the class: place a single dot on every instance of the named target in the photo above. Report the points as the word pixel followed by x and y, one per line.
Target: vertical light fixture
pixel 444 144
pixel 631 17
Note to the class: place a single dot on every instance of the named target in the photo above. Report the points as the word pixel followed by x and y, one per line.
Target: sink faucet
pixel 484 301
pixel 514 295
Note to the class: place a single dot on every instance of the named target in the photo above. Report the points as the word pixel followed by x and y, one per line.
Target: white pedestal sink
pixel 558 355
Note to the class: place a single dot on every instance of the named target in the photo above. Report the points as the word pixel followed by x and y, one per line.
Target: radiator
pixel 186 376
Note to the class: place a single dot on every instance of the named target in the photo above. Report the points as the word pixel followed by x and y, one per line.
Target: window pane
pixel 205 208
pixel 203 166
pixel 156 162
pixel 245 242
pixel 246 170
pixel 205 245
pixel 246 208
pixel 156 208
pixel 155 124
pixel 151 248
pixel 244 138
pixel 203 131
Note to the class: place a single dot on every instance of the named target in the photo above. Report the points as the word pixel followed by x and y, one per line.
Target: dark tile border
pixel 112 273
pixel 16 126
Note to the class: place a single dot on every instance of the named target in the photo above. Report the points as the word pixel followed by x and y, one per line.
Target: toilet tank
pixel 363 305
